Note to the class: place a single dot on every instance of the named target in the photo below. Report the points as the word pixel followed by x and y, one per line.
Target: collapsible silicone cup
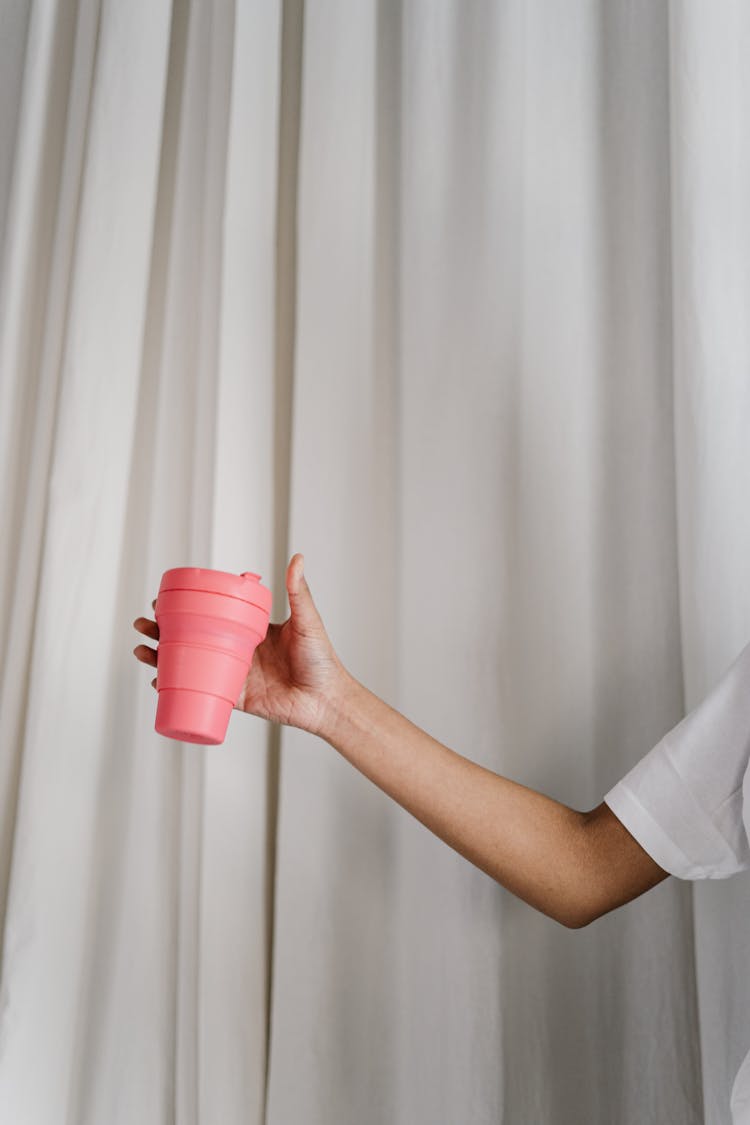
pixel 210 623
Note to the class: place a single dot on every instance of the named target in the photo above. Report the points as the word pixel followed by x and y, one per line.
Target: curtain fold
pixel 710 153
pixel 451 298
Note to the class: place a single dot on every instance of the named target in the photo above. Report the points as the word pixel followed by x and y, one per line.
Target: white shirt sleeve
pixel 687 801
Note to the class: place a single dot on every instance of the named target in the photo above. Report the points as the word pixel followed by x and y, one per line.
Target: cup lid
pixel 246 586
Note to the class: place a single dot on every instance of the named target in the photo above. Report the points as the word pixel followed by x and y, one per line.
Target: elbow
pixel 565 914
pixel 572 921
pixel 580 916
pixel 585 899
pixel 577 922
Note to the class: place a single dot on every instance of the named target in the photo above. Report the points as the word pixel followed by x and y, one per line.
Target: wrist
pixel 336 704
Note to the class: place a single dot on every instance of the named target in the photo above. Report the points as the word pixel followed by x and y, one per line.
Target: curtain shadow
pixel 285 305
pixel 638 675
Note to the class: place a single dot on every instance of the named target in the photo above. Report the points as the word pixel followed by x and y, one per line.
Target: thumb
pixel 300 599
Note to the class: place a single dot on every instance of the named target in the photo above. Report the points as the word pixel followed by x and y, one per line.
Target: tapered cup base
pixel 192 716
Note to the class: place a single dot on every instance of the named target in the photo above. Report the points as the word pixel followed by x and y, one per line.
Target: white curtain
pixel 452 297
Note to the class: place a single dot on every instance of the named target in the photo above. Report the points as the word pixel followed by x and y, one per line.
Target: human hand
pixel 295 677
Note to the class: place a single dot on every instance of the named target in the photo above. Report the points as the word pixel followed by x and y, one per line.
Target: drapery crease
pixel 290 84
pixel 451 298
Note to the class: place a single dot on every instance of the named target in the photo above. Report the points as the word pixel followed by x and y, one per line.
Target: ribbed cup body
pixel 210 623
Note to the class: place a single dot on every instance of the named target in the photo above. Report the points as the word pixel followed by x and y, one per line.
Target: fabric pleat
pixel 452 298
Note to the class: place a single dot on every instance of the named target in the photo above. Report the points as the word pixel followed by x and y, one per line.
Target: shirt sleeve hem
pixel 650 835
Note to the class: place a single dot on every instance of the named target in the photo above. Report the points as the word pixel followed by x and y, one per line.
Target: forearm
pixel 529 843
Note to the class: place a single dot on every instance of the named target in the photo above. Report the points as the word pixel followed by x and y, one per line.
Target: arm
pixel 572 866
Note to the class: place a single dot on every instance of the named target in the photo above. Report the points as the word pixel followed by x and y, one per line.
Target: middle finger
pixel 147 627
pixel 146 655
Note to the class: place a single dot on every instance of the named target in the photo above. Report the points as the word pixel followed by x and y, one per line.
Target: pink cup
pixel 210 623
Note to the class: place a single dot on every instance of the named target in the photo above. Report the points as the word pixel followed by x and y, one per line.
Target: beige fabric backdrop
pixel 452 298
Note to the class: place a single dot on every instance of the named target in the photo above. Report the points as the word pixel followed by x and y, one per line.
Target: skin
pixel 571 865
